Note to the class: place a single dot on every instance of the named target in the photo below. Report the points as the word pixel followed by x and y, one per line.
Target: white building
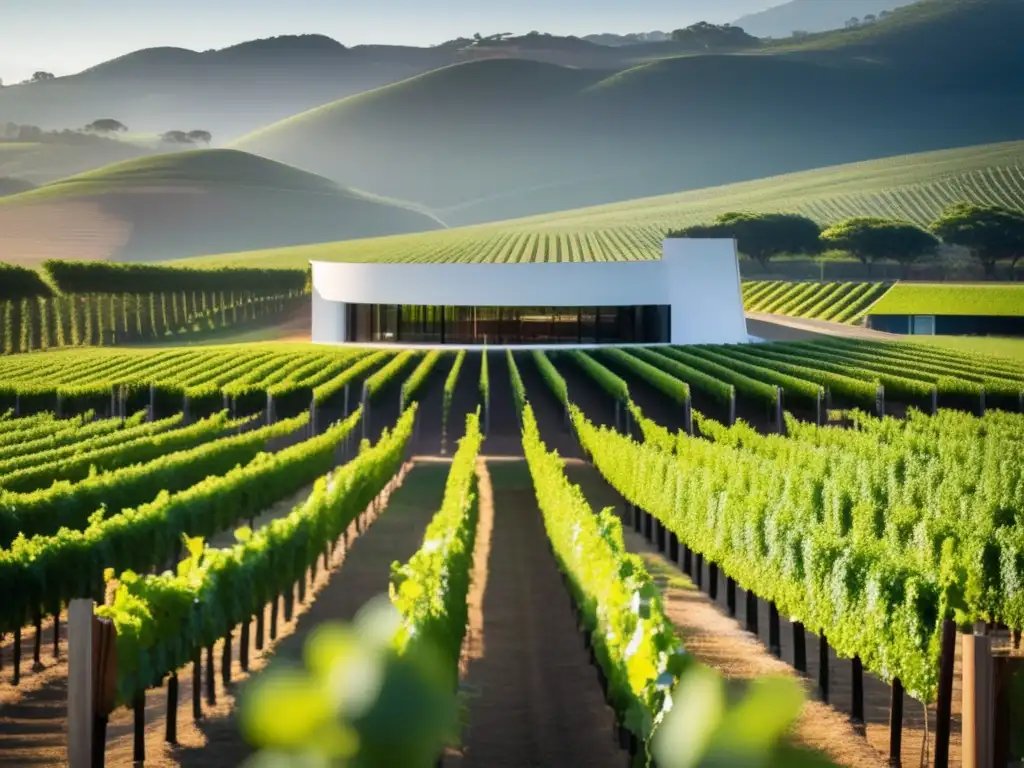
pixel 689 296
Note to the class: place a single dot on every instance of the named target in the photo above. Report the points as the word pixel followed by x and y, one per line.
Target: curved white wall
pixel 699 279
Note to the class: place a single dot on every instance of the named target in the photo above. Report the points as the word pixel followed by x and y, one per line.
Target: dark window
pixel 417 324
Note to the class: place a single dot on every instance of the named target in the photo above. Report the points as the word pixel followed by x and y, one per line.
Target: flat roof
pixel 964 300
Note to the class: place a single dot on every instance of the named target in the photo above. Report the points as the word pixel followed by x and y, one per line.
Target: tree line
pixel 104 128
pixel 99 277
pixel 990 233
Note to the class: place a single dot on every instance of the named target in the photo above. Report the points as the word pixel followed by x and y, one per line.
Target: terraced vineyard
pixel 837 302
pixel 116 464
pixel 913 187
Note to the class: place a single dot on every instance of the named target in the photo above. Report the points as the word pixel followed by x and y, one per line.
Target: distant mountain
pixel 235 90
pixel 173 206
pixel 227 92
pixel 489 140
pixel 613 40
pixel 812 16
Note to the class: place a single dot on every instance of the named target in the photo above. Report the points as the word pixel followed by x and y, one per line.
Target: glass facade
pixel 413 324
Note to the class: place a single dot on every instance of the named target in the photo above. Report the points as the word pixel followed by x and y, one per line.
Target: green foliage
pixel 992 233
pixel 871 239
pixel 518 388
pixel 383 377
pixel 712 722
pixel 485 381
pixel 132 446
pixel 431 589
pixel 72 505
pixel 834 377
pixel 615 386
pixel 620 604
pixel 450 382
pixel 161 620
pixel 731 505
pixel 328 389
pixel 862 533
pixel 551 377
pixel 115 277
pixel 656 377
pixel 18 283
pixel 49 571
pixel 418 376
pixel 762 236
pixel 794 387
pixel 838 302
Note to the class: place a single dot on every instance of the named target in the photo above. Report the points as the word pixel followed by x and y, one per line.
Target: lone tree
pixel 871 239
pixel 198 135
pixel 175 137
pixel 990 232
pixel 106 125
pixel 41 77
pixel 762 236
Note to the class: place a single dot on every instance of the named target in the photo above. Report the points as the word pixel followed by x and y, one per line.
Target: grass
pixel 914 187
pixel 1000 300
pixel 203 167
pixel 995 346
pixel 184 204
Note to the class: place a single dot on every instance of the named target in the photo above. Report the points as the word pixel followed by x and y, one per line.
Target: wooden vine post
pixel 92 683
pixel 978 701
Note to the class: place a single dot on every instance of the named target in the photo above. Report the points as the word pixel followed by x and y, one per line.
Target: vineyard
pixel 912 187
pixel 836 302
pixel 73 304
pixel 214 503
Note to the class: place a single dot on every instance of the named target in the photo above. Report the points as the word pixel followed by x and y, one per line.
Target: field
pixel 190 203
pixel 180 446
pixel 1011 349
pixel 836 302
pixel 914 187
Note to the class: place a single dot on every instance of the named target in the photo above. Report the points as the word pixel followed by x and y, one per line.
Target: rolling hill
pixel 914 187
pixel 41 162
pixel 227 92
pixel 188 203
pixel 811 16
pixel 488 140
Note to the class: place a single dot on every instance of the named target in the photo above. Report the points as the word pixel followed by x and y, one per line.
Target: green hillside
pixel 493 139
pixel 188 203
pixel 914 187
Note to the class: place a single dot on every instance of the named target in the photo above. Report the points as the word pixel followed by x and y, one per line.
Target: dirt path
pixel 783 328
pixel 723 643
pixel 473 642
pixel 396 535
pixel 534 697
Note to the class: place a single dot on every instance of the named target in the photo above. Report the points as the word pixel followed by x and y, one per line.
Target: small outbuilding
pixel 945 309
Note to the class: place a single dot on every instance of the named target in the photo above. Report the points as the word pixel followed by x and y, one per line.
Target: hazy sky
pixel 66 36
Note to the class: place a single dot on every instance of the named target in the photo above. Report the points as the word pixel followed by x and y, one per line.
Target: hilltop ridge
pixel 189 203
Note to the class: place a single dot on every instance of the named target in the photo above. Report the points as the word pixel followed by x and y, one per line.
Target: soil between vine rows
pixel 533 697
